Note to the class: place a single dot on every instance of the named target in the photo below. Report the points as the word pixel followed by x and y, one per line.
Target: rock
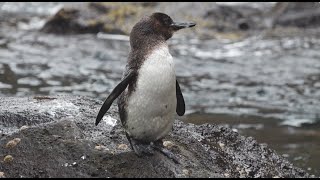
pixel 232 18
pixel 186 172
pixel 212 19
pixel 100 147
pixel 13 143
pixel 2 175
pixel 23 128
pixel 221 145
pixel 168 144
pixel 294 14
pixel 94 17
pixel 301 14
pixel 7 159
pixel 122 146
pixel 8 78
pixel 66 22
pixel 62 137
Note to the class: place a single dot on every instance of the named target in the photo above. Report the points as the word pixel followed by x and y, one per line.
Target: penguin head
pixel 160 24
pixel 164 25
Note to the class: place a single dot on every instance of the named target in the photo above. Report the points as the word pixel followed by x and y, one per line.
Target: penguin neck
pixel 147 43
pixel 142 47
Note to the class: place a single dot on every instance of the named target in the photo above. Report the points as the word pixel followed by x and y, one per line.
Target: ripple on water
pixel 32 81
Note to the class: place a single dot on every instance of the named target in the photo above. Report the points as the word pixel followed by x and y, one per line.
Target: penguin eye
pixel 167 21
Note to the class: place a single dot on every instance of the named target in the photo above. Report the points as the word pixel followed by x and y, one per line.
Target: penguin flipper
pixel 114 94
pixel 180 101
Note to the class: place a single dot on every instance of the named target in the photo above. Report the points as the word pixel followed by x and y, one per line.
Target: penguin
pixel 149 94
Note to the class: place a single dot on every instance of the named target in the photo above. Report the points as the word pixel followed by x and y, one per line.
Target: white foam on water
pixel 248 126
pixel 113 36
pixel 4 86
pixel 297 122
pixel 34 23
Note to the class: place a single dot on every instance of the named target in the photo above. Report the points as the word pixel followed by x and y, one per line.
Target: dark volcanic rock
pixel 93 17
pixel 232 18
pixel 301 14
pixel 213 20
pixel 65 22
pixel 72 21
pixel 61 140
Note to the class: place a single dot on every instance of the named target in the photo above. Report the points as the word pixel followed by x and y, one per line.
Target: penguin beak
pixel 176 25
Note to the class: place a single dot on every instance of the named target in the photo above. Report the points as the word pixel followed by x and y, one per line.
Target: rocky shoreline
pixel 213 20
pixel 56 137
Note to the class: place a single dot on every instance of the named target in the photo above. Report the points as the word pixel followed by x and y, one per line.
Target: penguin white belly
pixel 152 106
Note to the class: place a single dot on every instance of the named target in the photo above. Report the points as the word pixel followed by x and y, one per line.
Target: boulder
pixel 56 136
pixel 300 14
pixel 94 17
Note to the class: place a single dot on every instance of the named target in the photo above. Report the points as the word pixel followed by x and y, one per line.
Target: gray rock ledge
pixel 56 137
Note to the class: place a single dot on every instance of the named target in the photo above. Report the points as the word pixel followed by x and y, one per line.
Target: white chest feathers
pixel 152 106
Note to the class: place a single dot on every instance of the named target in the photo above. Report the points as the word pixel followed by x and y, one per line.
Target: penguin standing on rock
pixel 149 94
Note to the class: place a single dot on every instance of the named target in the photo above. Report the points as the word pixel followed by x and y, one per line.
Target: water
pixel 265 87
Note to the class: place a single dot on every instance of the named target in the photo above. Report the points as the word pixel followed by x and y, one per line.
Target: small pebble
pixel 13 143
pixel 221 145
pixel 7 158
pixel 248 171
pixel 226 174
pixel 23 127
pixel 56 136
pixel 123 146
pixel 275 177
pixel 285 155
pixel 99 147
pixel 186 172
pixel 2 175
pixel 235 130
pixel 168 144
pixel 242 173
pixel 113 152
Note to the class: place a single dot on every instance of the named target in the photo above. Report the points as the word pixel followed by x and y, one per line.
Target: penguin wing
pixel 180 101
pixel 114 94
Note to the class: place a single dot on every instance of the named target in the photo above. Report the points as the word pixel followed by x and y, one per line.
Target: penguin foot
pixel 159 147
pixel 141 148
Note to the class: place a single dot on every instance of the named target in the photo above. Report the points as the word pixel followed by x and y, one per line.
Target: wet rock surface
pixel 61 140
